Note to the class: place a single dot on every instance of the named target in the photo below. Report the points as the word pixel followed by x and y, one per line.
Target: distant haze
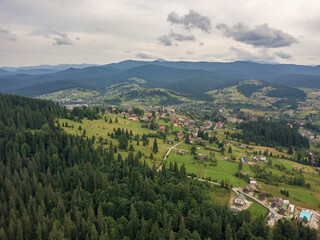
pixel 38 32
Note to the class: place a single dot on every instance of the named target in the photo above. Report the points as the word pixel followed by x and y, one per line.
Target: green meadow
pixel 256 210
pixel 101 128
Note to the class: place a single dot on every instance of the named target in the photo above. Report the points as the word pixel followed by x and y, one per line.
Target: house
pixel 219 125
pixel 285 201
pixel 263 158
pixel 180 152
pixel 245 189
pixel 202 156
pixel 162 128
pixel 245 159
pixel 133 118
pixel 180 135
pixel 301 123
pixel 291 208
pixel 262 196
pixel 282 211
pixel 170 141
pixel 254 159
pixel 276 202
pixel 252 182
pixel 144 118
pixel 173 120
pixel 242 146
pixel 239 200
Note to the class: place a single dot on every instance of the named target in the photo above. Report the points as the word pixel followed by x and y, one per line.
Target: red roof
pixel 162 128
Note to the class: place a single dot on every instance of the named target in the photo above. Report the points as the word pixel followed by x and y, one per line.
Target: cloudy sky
pixel 34 32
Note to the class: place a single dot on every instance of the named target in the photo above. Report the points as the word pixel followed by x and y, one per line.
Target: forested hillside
pixel 271 133
pixel 58 186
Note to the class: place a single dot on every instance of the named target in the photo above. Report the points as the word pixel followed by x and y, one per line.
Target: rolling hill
pixel 192 78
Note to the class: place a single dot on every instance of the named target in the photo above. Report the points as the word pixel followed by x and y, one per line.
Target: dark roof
pixel 245 159
pixel 241 196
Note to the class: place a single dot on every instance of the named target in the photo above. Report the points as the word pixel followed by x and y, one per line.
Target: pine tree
pixel 134 222
pixel 55 233
pixel 155 146
pixel 182 229
pixel 228 232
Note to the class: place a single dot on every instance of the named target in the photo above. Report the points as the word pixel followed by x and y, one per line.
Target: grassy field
pixel 219 195
pixel 100 128
pixel 223 170
pixel 256 210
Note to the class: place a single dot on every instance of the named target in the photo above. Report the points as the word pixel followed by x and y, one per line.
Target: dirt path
pixel 166 156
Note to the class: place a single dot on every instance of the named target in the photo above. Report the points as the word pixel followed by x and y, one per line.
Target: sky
pixel 34 32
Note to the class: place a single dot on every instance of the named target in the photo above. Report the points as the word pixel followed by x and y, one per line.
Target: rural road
pixel 167 154
pixel 236 190
pixel 261 203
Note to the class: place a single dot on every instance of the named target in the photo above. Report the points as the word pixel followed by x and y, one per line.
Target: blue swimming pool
pixel 305 214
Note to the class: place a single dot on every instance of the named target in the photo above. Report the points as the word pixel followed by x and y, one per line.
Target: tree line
pixel 271 134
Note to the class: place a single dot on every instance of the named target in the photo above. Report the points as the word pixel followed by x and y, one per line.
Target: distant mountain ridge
pixel 192 78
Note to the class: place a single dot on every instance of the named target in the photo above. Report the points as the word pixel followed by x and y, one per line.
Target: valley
pixel 251 146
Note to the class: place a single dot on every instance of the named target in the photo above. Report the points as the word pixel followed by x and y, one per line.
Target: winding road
pixel 236 190
pixel 166 156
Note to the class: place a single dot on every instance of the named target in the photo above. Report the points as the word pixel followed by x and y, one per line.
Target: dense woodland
pixel 57 186
pixel 270 133
pixel 279 91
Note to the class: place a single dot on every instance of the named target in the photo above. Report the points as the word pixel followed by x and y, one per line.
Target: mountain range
pixel 185 77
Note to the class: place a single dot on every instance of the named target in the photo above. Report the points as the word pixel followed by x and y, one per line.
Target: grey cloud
pixel 261 56
pixel 191 20
pixel 190 52
pixel 144 55
pixel 61 39
pixel 181 37
pixel 173 17
pixel 284 55
pixel 7 34
pixel 259 36
pixel 201 43
pixel 165 40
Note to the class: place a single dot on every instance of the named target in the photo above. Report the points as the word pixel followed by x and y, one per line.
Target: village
pixel 177 125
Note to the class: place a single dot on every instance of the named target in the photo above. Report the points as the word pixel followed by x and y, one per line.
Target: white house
pixel 252 182
pixel 263 158
pixel 291 208
pixel 239 200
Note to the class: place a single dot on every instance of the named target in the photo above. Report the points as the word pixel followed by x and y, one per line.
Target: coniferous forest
pixel 270 133
pixel 58 186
